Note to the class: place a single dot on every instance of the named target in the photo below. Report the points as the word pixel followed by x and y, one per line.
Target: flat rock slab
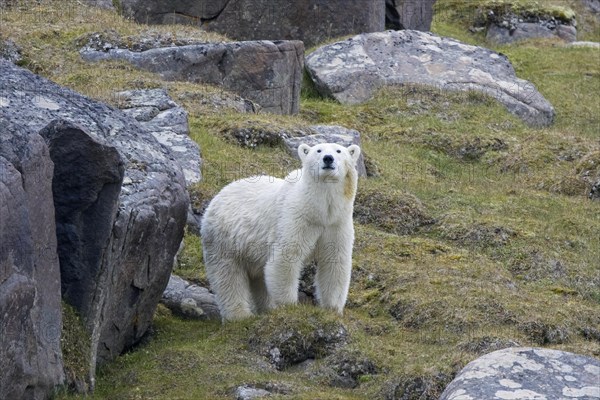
pixel 311 21
pixel 527 373
pixel 593 45
pixel 352 70
pixel 498 34
pixel 189 300
pixel 116 241
pixel 328 134
pixel 269 73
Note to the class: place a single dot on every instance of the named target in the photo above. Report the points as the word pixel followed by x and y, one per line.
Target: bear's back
pixel 243 213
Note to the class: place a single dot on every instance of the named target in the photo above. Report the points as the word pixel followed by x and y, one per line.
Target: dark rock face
pixel 328 134
pixel 190 301
pixel 30 306
pixel 312 21
pixel 520 372
pixel 351 71
pixel 136 228
pixel 269 73
pixel 86 186
pixel 409 14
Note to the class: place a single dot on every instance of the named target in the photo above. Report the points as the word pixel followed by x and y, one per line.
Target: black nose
pixel 328 160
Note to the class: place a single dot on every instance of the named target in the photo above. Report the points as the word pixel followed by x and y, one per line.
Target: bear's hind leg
pixel 231 285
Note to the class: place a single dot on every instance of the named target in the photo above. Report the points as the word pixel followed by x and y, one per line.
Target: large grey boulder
pixel 190 301
pixel 352 70
pixel 527 373
pixel 327 134
pixel 269 73
pixel 116 242
pixel 312 21
pixel 30 307
pixel 409 14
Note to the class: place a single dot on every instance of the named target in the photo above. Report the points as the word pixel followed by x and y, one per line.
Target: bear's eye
pixel 339 151
pixel 318 151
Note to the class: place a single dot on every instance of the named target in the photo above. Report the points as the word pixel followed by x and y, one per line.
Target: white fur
pixel 258 234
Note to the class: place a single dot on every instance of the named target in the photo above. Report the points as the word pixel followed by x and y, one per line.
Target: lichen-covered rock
pixel 168 123
pixel 351 71
pixel 269 73
pixel 327 134
pixel 527 373
pixel 31 364
pixel 116 243
pixel 247 392
pixel 312 21
pixel 188 300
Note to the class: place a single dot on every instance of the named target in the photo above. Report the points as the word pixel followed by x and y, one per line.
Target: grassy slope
pixel 510 258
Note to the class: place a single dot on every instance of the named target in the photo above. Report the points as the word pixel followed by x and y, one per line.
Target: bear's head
pixel 330 162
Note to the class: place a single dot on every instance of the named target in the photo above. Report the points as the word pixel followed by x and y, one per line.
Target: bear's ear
pixel 354 151
pixel 303 151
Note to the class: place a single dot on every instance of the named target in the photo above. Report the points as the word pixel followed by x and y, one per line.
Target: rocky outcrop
pixel 527 373
pixel 116 242
pixel 505 34
pixel 190 301
pixel 409 14
pixel 327 134
pixel 269 73
pixel 167 121
pixel 507 22
pixel 352 71
pixel 30 307
pixel 312 21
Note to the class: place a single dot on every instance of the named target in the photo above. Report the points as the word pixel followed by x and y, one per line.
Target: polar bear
pixel 258 233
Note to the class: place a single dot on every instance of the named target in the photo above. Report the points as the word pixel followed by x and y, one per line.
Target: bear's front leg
pixel 334 267
pixel 284 267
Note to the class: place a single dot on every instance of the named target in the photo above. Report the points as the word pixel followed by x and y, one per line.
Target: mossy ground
pixel 513 254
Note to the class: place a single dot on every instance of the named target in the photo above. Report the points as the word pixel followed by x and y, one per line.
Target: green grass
pixel 512 256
